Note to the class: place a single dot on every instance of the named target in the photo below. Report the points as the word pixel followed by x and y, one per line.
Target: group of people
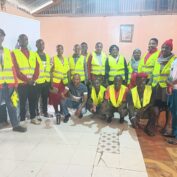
pixel 100 83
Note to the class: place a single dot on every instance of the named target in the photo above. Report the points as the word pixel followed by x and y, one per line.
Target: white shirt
pixel 173 72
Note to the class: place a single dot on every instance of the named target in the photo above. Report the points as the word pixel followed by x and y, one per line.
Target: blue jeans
pixel 68 103
pixel 5 94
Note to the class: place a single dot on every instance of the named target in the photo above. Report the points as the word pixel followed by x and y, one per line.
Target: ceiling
pixel 95 7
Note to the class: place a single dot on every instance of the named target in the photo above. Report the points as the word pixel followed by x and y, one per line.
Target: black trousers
pixel 27 93
pixel 43 93
pixel 3 113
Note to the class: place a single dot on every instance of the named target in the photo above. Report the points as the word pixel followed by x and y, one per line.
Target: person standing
pixel 146 64
pixel 77 64
pixel 27 69
pixel 96 64
pixel 116 65
pixel 43 81
pixel 133 65
pixel 172 101
pixel 8 84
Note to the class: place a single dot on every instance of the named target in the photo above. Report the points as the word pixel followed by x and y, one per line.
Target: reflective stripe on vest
pixel 44 74
pixel 78 67
pixel 116 68
pixel 60 70
pixel 146 97
pixel 26 65
pixel 6 72
pixel 118 102
pixel 97 99
pixel 148 67
pixel 96 68
pixel 160 77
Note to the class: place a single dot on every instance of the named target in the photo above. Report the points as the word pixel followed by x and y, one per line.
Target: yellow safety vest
pixel 6 73
pixel 118 102
pixel 86 57
pixel 148 67
pixel 97 99
pixel 116 68
pixel 146 97
pixel 160 77
pixel 98 69
pixel 44 68
pixel 78 67
pixel 26 65
pixel 60 70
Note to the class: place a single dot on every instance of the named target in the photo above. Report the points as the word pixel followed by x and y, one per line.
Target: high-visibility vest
pixel 86 57
pixel 97 99
pixel 116 68
pixel 26 65
pixel 98 69
pixel 44 68
pixel 60 70
pixel 146 97
pixel 6 73
pixel 160 77
pixel 78 67
pixel 118 102
pixel 148 67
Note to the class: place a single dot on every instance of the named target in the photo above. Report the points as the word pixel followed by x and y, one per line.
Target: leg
pixel 38 95
pixel 22 92
pixel 107 111
pixel 44 96
pixel 123 111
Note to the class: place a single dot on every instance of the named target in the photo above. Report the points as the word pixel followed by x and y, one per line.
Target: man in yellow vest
pixel 96 64
pixel 133 64
pixel 43 81
pixel 78 64
pixel 8 84
pixel 146 64
pixel 140 104
pixel 59 79
pixel 97 97
pixel 27 69
pixel 84 51
pixel 116 65
pixel 159 80
pixel 115 100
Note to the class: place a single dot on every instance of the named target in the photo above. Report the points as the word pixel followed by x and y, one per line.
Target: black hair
pixel 112 46
pixel 154 39
pixel 2 32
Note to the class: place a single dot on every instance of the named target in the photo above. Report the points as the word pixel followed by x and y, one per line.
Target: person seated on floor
pixel 77 98
pixel 94 103
pixel 115 100
pixel 140 104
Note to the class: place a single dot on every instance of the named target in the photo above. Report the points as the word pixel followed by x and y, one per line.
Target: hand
pixel 30 81
pixel 78 112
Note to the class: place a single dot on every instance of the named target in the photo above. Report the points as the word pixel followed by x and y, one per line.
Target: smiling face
pixel 152 44
pixel 117 82
pixel 165 50
pixel 96 84
pixel 137 54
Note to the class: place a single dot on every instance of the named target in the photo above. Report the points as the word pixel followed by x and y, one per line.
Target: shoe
pixel 80 116
pixel 66 118
pixel 149 132
pixel 35 121
pixel 109 120
pixel 121 120
pixel 172 141
pixel 58 118
pixel 19 129
pixel 46 115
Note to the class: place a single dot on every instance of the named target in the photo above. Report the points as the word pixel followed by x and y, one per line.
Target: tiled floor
pixel 87 147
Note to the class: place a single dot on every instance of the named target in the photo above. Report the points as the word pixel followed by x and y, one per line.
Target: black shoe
pixel 19 129
pixel 109 120
pixel 80 116
pixel 121 120
pixel 58 118
pixel 66 118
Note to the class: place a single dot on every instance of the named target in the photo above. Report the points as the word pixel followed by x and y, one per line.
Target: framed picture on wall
pixel 126 33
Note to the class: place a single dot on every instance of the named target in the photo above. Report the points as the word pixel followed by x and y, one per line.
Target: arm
pixel 36 72
pixel 86 70
pixel 89 67
pixel 107 70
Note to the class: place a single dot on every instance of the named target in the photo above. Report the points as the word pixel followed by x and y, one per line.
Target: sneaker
pixel 20 129
pixel 66 118
pixel 35 121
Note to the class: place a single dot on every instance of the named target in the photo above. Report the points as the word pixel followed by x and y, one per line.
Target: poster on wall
pixel 14 25
pixel 126 33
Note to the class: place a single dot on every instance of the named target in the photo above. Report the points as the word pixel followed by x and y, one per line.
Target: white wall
pixel 15 25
